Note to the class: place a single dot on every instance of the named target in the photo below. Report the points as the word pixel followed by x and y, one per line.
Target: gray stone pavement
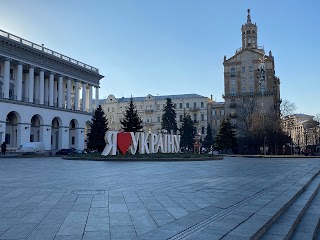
pixel 51 198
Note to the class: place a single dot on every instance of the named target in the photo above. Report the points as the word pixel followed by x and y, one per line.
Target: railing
pixel 148 110
pixel 258 47
pixel 46 50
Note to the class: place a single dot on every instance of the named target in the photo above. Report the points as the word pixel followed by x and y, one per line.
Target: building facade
pixel 245 89
pixel 303 130
pixel 45 96
pixel 150 109
pixel 216 114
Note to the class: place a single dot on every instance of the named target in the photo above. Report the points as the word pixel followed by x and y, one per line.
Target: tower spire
pixel 248 17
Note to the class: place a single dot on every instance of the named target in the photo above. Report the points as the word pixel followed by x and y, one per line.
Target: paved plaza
pixel 52 198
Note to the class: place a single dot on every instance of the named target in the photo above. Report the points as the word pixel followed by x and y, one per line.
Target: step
pixel 309 224
pixel 284 226
pixel 255 226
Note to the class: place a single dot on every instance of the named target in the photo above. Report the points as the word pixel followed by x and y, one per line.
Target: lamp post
pixel 262 80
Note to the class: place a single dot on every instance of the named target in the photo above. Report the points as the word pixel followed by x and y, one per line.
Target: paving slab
pixel 145 200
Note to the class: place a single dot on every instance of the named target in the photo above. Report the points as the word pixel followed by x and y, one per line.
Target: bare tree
pixel 287 108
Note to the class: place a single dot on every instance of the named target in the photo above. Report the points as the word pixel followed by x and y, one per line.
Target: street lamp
pixel 262 80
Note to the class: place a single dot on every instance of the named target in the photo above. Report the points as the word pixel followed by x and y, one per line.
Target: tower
pixel 245 93
pixel 249 33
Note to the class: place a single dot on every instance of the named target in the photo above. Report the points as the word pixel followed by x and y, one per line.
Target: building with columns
pixel 250 84
pixel 45 96
pixel 150 109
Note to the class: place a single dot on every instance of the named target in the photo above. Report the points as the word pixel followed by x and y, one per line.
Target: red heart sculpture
pixel 123 141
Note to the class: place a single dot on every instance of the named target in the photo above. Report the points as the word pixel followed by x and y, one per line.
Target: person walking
pixel 3 149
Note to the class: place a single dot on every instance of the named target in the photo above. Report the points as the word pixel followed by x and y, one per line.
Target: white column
pixel 6 79
pixel 55 93
pixel 97 97
pixel 76 96
pixel 51 88
pixel 41 87
pixel 84 96
pixel 46 91
pixel 90 98
pixel 60 91
pixel 69 93
pixel 31 84
pixel 37 89
pixel 19 82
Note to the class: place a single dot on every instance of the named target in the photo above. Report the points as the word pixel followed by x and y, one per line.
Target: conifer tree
pixel 187 132
pixel 131 122
pixel 226 138
pixel 208 140
pixel 97 130
pixel 169 117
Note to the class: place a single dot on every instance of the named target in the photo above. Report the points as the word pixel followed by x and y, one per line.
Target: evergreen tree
pixel 131 122
pixel 169 117
pixel 208 140
pixel 226 138
pixel 97 130
pixel 187 132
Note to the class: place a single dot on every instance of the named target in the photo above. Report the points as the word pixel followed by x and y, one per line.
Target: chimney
pixel 211 96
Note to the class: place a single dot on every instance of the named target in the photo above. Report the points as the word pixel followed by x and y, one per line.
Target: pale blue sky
pixel 175 46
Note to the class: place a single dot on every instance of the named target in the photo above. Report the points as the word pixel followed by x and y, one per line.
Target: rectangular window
pixel 112 109
pixel 73 140
pixel 31 138
pixel 180 105
pixel 202 104
pixel 233 92
pixel 243 80
pixel 218 122
pixel 202 130
pixel 175 105
pixel 158 119
pixel 250 68
pixel 194 104
pixel 222 112
pixel 187 105
pixel 195 116
pixel 243 69
pixel 158 106
pixel 243 89
pixel 11 73
pixel 251 79
pixel 251 89
pixel 181 118
pixel 202 117
pixel 213 112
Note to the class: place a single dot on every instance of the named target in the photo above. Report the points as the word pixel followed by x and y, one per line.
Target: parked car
pixel 65 152
pixel 79 151
pixel 32 148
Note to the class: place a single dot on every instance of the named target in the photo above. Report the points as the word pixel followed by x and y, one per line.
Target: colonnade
pixel 39 86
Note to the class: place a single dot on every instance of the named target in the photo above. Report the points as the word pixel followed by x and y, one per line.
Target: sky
pixel 166 47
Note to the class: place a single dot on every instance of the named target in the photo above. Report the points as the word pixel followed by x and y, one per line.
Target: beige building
pixel 216 113
pixel 303 130
pixel 150 109
pixel 246 89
